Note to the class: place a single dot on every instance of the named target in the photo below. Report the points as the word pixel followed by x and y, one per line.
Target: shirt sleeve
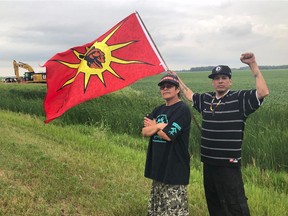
pixel 196 102
pixel 178 122
pixel 249 102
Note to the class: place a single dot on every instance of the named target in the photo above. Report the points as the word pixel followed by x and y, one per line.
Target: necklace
pixel 211 105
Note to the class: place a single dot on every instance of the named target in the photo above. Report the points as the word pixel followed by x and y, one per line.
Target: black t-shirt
pixel 169 161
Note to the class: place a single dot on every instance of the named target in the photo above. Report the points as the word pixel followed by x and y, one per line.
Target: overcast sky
pixel 188 33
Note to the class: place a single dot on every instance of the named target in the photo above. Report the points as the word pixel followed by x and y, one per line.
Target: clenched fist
pixel 247 58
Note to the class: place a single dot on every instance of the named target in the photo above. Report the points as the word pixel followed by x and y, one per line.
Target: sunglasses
pixel 168 86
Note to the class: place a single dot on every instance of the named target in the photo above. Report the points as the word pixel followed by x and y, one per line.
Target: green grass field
pixel 90 161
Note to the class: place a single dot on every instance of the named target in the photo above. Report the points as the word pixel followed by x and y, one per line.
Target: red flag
pixel 116 59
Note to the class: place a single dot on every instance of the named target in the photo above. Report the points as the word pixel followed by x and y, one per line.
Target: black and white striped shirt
pixel 223 122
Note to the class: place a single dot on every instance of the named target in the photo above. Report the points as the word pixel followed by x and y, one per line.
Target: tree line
pixel 209 68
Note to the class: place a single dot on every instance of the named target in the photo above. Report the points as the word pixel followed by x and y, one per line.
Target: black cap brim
pixel 212 76
pixel 168 81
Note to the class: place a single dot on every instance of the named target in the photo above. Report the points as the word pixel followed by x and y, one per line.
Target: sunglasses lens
pixel 168 86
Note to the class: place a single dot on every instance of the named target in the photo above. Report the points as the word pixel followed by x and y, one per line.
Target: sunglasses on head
pixel 168 86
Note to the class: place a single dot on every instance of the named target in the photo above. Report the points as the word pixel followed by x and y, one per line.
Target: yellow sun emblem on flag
pixel 97 60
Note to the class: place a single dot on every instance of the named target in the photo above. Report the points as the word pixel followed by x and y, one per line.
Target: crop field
pixel 90 161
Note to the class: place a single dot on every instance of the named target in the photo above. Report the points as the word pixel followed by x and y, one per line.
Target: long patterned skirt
pixel 168 200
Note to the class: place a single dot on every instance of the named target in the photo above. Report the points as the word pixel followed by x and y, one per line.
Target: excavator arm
pixel 16 69
pixel 30 76
pixel 16 66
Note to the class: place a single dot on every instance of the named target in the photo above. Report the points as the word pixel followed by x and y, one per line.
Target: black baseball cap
pixel 220 70
pixel 169 78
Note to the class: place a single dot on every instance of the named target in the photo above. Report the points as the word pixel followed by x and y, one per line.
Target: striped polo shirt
pixel 223 122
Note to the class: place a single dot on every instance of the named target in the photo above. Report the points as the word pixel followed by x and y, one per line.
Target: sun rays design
pixel 97 60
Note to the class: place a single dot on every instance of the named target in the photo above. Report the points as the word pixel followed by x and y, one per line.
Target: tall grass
pixel 122 112
pixel 83 170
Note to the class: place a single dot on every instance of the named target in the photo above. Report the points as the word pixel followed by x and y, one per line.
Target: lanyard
pixel 211 105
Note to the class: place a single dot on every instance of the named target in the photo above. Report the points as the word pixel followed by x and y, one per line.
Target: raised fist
pixel 247 58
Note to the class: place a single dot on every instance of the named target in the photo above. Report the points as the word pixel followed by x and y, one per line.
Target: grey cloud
pixel 237 30
pixel 188 32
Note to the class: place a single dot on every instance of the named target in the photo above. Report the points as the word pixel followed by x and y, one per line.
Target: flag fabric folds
pixel 118 58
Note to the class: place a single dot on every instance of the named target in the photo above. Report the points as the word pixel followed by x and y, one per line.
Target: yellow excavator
pixel 30 76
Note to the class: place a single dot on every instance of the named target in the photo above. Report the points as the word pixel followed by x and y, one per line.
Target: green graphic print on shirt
pixel 175 128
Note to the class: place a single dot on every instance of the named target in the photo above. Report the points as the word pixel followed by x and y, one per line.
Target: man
pixel 168 160
pixel 223 119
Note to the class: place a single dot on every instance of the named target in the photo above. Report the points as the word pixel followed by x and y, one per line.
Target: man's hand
pixel 247 58
pixel 172 72
pixel 261 87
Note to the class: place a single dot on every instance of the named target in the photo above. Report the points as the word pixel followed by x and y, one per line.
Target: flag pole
pixel 193 117
pixel 165 65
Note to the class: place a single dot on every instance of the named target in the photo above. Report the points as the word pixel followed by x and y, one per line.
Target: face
pixel 221 83
pixel 169 91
